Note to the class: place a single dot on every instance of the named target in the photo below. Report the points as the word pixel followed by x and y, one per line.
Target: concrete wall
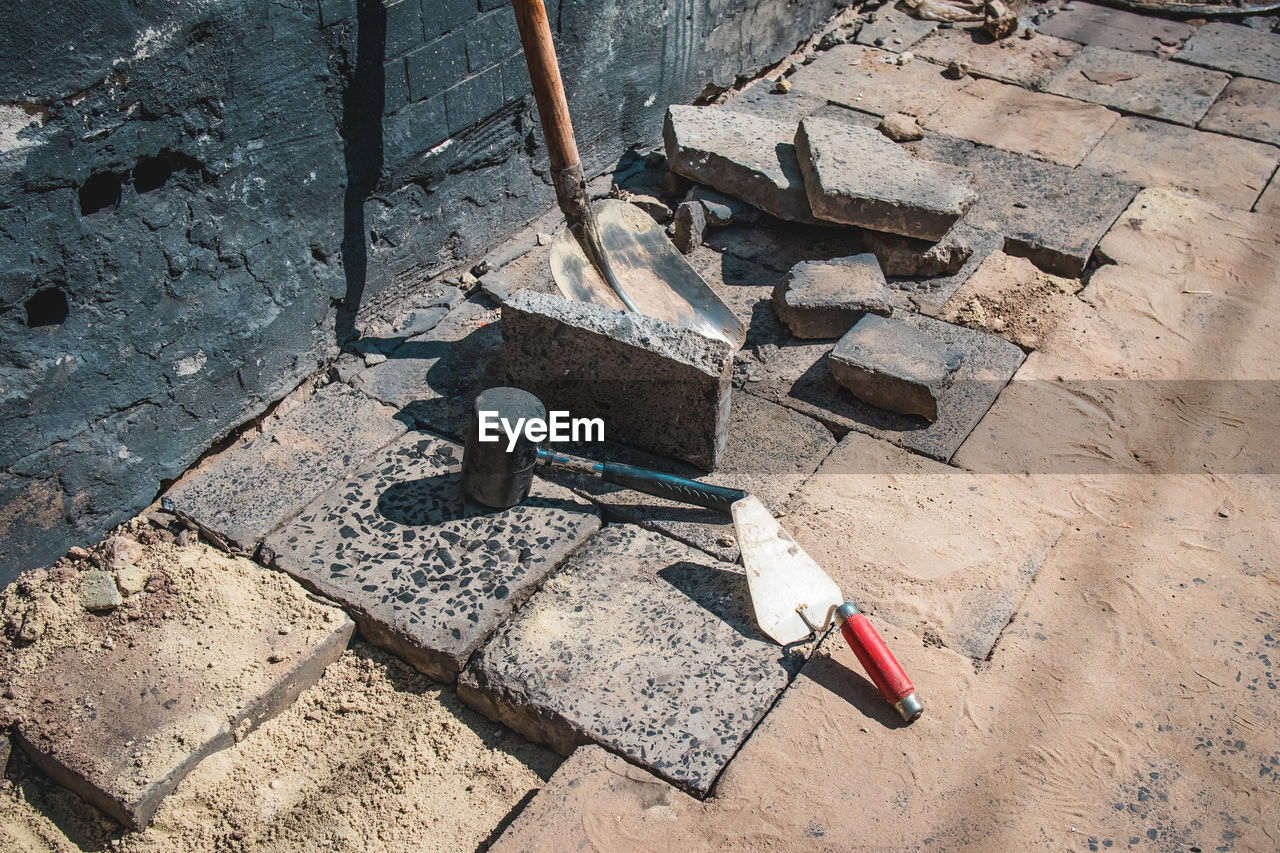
pixel 199 199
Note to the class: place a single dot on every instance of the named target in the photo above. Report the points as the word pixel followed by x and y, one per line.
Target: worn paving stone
pixel 1023 62
pixel 856 176
pixel 870 80
pixel 1219 168
pixel 743 155
pixel 976 545
pixel 761 99
pixel 122 711
pixel 642 645
pixel 892 365
pixel 1240 50
pixel 625 368
pixel 796 375
pixel 1269 202
pixel 823 299
pixel 893 29
pixel 433 378
pixel 1087 23
pixel 1135 83
pixel 1047 127
pixel 425 573
pixel 1248 108
pixel 240 495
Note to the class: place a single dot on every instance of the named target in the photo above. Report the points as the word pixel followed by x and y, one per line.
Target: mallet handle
pixel 643 480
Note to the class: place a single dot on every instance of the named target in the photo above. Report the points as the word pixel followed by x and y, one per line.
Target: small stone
pixel 478 270
pixel 721 209
pixel 372 358
pixel 469 279
pixel 824 299
pixel 131 580
pixel 651 205
pixel 186 536
pixel 726 540
pixel 119 551
pixel 904 58
pixel 956 70
pixel 275 784
pixel 1028 33
pixel 543 239
pixel 690 223
pixel 275 657
pixel 77 553
pixel 900 128
pixel 1224 511
pixel 782 86
pixel 98 591
pixel 889 364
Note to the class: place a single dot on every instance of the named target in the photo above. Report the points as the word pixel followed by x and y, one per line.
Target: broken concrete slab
pixel 823 299
pixel 927 293
pixel 98 591
pixel 855 176
pixel 1023 62
pixel 719 209
pixel 1248 108
pixel 690 223
pixel 642 645
pixel 425 573
pixel 892 365
pixel 1088 23
pixel 872 81
pixel 1047 127
pixel 905 256
pixel 658 387
pixel 1134 83
pixel 1240 50
pixel 243 493
pixel 893 29
pixel 121 708
pixel 747 156
pixel 1219 168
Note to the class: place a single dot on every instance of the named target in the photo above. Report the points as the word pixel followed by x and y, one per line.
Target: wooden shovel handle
pixel 548 89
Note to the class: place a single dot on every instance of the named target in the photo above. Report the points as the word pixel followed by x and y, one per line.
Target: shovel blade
pixel 657 278
pixel 780 575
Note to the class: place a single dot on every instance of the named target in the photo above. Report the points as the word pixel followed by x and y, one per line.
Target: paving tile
pixel 889 364
pixel 976 544
pixel 870 80
pixel 1240 50
pixel 426 574
pixel 1024 62
pixel 1134 83
pixel 642 645
pixel 760 99
pixel 797 376
pixel 122 709
pixel 1047 127
pixel 1087 23
pixel 1219 168
pixel 893 29
pixel 823 299
pixel 1248 108
pixel 240 495
pixel 1269 202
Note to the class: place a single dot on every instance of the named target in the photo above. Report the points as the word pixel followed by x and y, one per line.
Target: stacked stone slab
pixel 823 299
pixel 893 366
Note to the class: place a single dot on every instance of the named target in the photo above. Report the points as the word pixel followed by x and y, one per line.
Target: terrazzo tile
pixel 1134 83
pixel 425 573
pixel 1230 47
pixel 641 645
pixel 240 495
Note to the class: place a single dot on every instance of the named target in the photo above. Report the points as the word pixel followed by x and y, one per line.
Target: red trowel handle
pixel 879 662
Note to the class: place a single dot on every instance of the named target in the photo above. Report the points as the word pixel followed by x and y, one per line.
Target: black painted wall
pixel 199 200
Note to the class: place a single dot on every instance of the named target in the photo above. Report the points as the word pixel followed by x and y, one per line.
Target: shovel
pixel 612 253
pixel 795 599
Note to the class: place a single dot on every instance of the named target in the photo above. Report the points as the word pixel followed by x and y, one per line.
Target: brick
pixel 746 156
pixel 124 714
pixel 395 86
pixel 446 15
pixel 333 11
pixel 866 79
pixel 243 493
pixel 404 26
pixel 893 29
pixel 892 365
pixel 623 367
pixel 426 574
pixel 642 645
pixel 797 376
pixel 1240 50
pixel 1155 154
pixel 1047 127
pixel 473 99
pixel 1135 83
pixel 1248 108
pixel 823 299
pixel 436 66
pixel 1087 23
pixel 1023 62
pixel 491 38
pixel 855 176
pixel 414 129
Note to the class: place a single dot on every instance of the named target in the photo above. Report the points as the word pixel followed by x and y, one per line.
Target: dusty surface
pixel 1009 297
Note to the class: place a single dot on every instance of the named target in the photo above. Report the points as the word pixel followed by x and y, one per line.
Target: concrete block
pixel 333 11
pixel 426 574
pixel 395 86
pixel 446 15
pixel 120 711
pixel 1087 23
pixel 240 495
pixel 690 222
pixel 1248 108
pixel 641 645
pixel 855 176
pixel 1240 50
pixel 1022 62
pixel 870 80
pixel 1134 83
pixel 1047 127
pixel 1218 168
pixel 746 156
pixel 889 364
pixel 657 387
pixel 893 29
pixel 823 299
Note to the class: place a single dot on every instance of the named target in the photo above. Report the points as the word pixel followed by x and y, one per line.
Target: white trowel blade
pixel 780 575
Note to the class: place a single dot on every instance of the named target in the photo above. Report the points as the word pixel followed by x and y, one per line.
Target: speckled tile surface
pixel 642 645
pixel 424 573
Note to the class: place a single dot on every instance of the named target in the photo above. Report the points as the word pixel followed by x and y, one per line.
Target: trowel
pixel 611 253
pixel 794 599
